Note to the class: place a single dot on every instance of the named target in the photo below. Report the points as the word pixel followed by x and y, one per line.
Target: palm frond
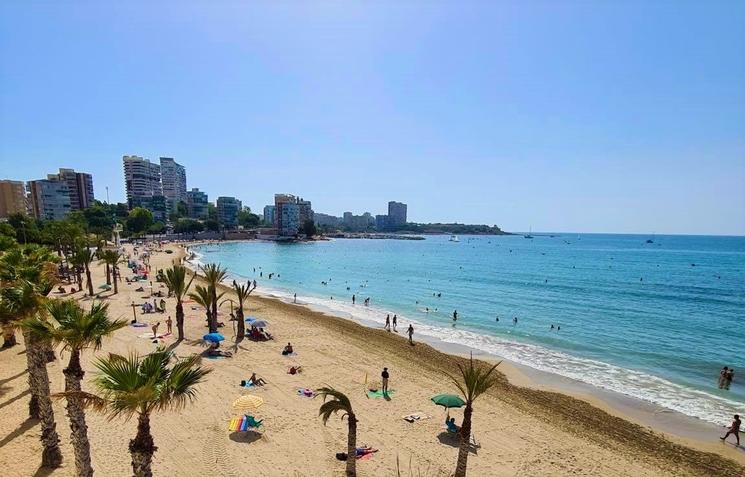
pixel 338 403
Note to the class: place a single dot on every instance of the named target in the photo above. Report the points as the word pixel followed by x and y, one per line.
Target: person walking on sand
pixel 394 323
pixel 410 332
pixel 734 428
pixel 169 325
pixel 387 323
pixel 385 377
pixel 155 329
pixel 723 376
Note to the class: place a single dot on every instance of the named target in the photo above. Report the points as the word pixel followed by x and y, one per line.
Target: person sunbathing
pixel 265 334
pixel 141 289
pixel 61 290
pixel 294 369
pixel 256 381
pixel 288 350
pixel 361 451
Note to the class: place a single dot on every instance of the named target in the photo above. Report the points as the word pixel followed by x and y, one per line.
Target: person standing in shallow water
pixel 723 376
pixel 354 298
pixel 387 323
pixel 728 378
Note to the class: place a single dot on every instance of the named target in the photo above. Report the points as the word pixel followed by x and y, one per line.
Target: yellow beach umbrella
pixel 247 403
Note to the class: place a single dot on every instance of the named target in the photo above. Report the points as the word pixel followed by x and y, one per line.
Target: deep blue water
pixel 655 321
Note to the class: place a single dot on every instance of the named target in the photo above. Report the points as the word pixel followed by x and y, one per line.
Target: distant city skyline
pixel 570 117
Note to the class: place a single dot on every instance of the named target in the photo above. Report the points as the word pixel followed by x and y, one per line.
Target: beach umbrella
pixel 448 400
pixel 259 324
pixel 213 337
pixel 248 402
pixel 251 318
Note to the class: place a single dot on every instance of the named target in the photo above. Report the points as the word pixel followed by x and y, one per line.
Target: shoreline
pixel 636 422
pixel 636 408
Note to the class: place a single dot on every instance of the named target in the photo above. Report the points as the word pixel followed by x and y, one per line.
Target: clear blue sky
pixel 605 116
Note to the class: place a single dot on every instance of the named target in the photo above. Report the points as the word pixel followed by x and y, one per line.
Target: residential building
pixel 197 204
pixel 12 198
pixel 80 186
pixel 142 179
pixel 396 213
pixel 173 181
pixel 381 222
pixel 227 211
pixel 325 220
pixel 49 199
pixel 291 213
pixel 155 204
pixel 358 222
pixel 269 211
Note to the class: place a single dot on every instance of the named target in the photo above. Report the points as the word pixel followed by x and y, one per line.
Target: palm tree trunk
pixel 114 273
pixel 88 279
pixel 352 446
pixel 180 319
pixel 142 448
pixel 241 323
pixel 33 403
pixel 73 377
pixel 213 321
pixel 108 273
pixel 465 443
pixel 51 456
pixel 79 276
pixel 9 336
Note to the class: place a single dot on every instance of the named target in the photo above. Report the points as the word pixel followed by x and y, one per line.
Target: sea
pixel 651 317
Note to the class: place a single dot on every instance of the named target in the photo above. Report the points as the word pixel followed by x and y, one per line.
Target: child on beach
pixel 734 428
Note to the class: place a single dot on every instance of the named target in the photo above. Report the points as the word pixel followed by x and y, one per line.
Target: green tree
pixel 139 220
pixel 137 385
pixel 203 296
pixel 242 292
pixel 85 258
pixel 185 226
pixel 309 228
pixel 99 219
pixel 472 381
pixel 76 329
pixel 157 228
pixel 112 258
pixel 247 219
pixel 175 280
pixel 212 225
pixel 211 211
pixel 340 403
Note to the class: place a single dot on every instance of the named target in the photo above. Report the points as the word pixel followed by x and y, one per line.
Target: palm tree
pixel 76 260
pixel 138 385
pixel 340 403
pixel 472 382
pixel 112 259
pixel 76 329
pixel 26 276
pixel 214 274
pixel 85 257
pixel 175 280
pixel 203 296
pixel 242 292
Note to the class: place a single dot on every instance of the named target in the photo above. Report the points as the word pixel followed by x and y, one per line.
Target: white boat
pixel 454 238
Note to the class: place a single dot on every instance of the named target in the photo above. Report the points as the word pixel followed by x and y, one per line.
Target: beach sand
pixel 519 430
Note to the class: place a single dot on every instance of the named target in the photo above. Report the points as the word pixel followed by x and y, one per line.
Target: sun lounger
pixel 243 423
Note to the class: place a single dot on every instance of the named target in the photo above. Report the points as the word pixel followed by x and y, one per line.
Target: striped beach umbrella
pixel 248 402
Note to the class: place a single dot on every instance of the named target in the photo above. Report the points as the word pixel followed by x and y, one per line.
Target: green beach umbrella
pixel 448 400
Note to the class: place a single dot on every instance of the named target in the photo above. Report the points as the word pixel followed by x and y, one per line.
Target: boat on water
pixel 454 238
pixel 529 235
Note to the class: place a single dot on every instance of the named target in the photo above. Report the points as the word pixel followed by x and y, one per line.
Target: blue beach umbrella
pixel 213 337
pixel 259 324
pixel 251 318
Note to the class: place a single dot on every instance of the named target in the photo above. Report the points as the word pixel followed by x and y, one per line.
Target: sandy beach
pixel 521 426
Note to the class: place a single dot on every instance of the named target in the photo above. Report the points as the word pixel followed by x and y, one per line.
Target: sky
pixel 577 116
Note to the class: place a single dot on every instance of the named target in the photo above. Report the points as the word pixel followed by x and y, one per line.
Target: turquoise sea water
pixel 654 321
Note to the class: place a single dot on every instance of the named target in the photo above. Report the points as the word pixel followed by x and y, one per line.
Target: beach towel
pixel 247 384
pixel 366 457
pixel 139 325
pixel 215 357
pixel 415 416
pixel 377 393
pixel 305 392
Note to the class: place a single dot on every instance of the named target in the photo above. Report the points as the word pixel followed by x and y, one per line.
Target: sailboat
pixel 454 238
pixel 529 235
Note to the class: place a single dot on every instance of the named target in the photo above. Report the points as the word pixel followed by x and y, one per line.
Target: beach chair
pixel 243 423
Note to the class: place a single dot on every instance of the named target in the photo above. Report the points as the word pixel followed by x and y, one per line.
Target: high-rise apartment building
pixel 197 204
pixel 142 179
pixel 12 198
pixel 80 186
pixel 396 213
pixel 49 199
pixel 227 211
pixel 290 214
pixel 173 180
pixel 269 211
